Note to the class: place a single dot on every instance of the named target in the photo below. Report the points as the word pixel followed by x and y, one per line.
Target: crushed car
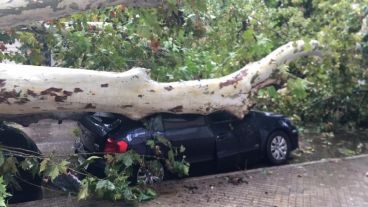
pixel 218 141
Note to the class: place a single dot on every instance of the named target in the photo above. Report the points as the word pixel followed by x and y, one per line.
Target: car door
pixel 246 130
pixel 193 133
pixel 227 143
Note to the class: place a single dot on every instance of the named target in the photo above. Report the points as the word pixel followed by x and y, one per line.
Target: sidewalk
pixel 325 183
pixel 333 182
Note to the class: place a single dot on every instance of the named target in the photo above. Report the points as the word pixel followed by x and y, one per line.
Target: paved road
pixel 52 137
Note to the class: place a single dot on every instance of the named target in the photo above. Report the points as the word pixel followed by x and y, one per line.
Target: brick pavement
pixel 330 183
pixel 326 183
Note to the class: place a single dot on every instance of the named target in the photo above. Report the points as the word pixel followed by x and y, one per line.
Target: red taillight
pixel 122 146
pixel 110 146
pixel 113 146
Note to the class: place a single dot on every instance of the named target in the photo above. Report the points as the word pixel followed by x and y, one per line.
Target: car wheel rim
pixel 279 148
pixel 150 174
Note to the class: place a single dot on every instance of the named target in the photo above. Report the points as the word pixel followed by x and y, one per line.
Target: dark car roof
pixel 225 114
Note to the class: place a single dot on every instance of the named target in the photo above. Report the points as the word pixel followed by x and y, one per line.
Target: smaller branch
pixel 364 27
pixel 14 13
pixel 268 82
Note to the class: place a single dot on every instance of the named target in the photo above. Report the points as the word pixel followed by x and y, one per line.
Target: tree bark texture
pixel 35 89
pixel 21 12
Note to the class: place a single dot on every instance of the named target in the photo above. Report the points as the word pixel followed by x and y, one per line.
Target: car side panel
pixel 198 141
pixel 228 146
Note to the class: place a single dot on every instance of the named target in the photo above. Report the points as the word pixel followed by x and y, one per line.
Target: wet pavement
pixel 334 182
pixel 52 137
pixel 316 146
pixel 328 183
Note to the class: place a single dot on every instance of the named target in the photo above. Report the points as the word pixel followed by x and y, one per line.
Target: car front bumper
pixel 294 138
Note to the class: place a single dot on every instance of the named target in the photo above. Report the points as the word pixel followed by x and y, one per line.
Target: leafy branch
pixel 118 184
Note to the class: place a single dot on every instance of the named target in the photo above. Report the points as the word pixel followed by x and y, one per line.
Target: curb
pixel 208 177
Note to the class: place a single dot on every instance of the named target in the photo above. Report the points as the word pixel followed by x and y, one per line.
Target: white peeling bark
pixel 21 12
pixel 364 27
pixel 33 89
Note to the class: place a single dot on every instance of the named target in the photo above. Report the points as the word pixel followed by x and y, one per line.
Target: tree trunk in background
pixel 34 89
pixel 20 12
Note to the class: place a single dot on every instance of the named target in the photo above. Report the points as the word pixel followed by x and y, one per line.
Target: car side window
pixel 220 117
pixel 155 123
pixel 183 121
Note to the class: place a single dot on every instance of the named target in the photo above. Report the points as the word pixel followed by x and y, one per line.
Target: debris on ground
pixel 235 180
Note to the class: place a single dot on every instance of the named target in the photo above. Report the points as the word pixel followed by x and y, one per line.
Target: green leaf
pixel 105 185
pixel 3 193
pixel 147 194
pixel 26 164
pixel 10 165
pixel 2 159
pixel 84 191
pixel 93 158
pixel 182 149
pixel 127 160
pixel 248 35
pixel 272 92
pixel 346 151
pixel 164 141
pixel 171 155
pixel 185 169
pixel 63 166
pixel 2 202
pixel 298 88
pixel 150 143
pixel 53 172
pixel 43 165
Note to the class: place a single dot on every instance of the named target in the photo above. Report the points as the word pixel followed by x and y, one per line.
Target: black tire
pixel 30 186
pixel 277 155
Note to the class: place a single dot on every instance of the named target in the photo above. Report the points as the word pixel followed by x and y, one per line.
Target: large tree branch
pixel 20 12
pixel 33 89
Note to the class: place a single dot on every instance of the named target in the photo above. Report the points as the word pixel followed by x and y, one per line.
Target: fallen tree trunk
pixel 34 89
pixel 13 13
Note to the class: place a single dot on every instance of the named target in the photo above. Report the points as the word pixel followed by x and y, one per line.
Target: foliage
pixel 120 170
pixel 117 183
pixel 175 159
pixel 3 193
pixel 206 39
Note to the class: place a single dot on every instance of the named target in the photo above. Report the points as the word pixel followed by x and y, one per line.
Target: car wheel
pixel 278 148
pixel 150 173
pixel 29 186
